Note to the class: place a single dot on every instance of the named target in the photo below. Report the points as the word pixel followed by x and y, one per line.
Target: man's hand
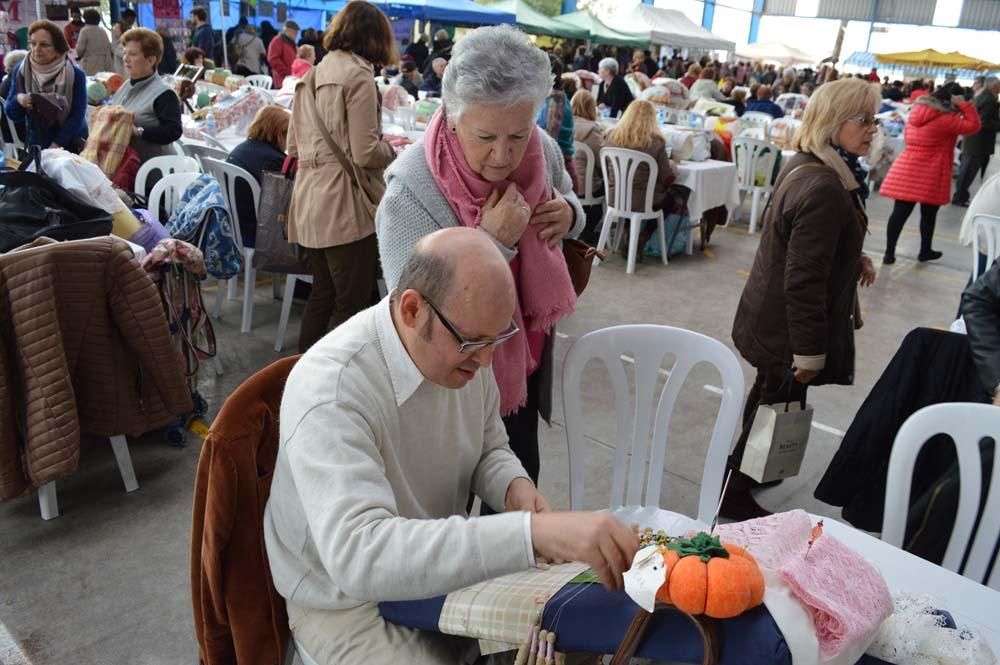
pixel 523 495
pixel 805 375
pixel 596 539
pixel 868 273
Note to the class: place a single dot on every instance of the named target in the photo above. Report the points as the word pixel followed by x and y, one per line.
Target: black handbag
pixel 273 252
pixel 33 205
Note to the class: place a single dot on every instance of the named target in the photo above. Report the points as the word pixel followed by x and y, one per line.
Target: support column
pixel 708 15
pixel 758 10
pixel 871 26
pixel 568 6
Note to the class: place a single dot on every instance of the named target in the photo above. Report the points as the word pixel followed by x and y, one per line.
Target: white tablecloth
pixel 970 603
pixel 712 184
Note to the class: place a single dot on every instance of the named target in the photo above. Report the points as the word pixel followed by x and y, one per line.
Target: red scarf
pixel 544 291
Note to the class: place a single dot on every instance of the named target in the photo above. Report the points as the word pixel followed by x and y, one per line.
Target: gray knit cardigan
pixel 413 206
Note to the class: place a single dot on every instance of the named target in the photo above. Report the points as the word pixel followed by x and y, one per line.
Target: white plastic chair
pixel 228 175
pixel 989 227
pixel 48 503
pixel 168 191
pixel 649 344
pixel 755 124
pixel 790 101
pixel 10 150
pixel 260 81
pixel 967 424
pixel 753 157
pixel 590 197
pixel 286 308
pixel 166 165
pixel 201 150
pixel 621 166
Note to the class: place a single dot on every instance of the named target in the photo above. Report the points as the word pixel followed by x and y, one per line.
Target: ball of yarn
pixel 97 92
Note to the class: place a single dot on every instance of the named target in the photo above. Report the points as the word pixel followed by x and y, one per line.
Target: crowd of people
pixel 434 394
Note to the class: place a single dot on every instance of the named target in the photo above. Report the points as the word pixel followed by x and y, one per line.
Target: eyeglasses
pixel 866 121
pixel 40 45
pixel 467 347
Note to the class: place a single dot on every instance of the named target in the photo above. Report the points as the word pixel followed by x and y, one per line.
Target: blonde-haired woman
pixel 639 130
pixel 587 131
pixel 796 319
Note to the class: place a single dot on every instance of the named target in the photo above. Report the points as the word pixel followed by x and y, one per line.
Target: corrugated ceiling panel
pixel 981 14
pixel 917 12
pixel 855 10
pixel 779 7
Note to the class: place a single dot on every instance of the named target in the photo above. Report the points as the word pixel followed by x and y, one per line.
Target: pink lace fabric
pixel 845 596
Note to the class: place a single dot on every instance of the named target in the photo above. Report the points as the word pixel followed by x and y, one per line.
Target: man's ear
pixel 410 304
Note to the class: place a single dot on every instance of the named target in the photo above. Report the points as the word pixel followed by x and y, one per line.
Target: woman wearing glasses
pixel 51 92
pixel 796 319
pixel 922 173
pixel 484 163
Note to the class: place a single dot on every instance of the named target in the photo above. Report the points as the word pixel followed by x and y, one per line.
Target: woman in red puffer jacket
pixel 922 173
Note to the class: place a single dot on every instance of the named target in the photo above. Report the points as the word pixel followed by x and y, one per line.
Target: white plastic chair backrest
pixel 199 151
pixel 407 118
pixel 752 157
pixel 166 165
pixel 757 117
pixel 227 175
pixel 967 424
pixel 260 81
pixel 989 227
pixel 621 165
pixel 214 142
pixel 588 172
pixel 648 345
pixel 15 143
pixel 789 101
pixel 168 190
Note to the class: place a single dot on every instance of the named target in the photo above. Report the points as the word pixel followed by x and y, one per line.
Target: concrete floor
pixel 107 582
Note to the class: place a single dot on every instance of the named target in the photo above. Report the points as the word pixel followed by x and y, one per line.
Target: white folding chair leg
pixel 633 243
pixel 219 295
pixel 47 501
pixel 753 209
pixel 286 310
pixel 119 444
pixel 249 286
pixel 694 224
pixel 602 240
pixel 664 250
pixel 217 362
pixel 232 285
pixel 276 286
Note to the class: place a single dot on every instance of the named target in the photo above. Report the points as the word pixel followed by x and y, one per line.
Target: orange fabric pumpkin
pixel 726 585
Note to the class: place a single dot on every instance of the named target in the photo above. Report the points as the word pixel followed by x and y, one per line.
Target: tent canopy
pixel 536 23
pixel 668 27
pixel 776 52
pixel 867 60
pixel 931 58
pixel 463 12
pixel 601 33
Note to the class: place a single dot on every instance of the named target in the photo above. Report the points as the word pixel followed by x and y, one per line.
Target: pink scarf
pixel 544 291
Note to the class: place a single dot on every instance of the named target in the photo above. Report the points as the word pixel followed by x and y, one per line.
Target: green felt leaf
pixel 586 577
pixel 701 545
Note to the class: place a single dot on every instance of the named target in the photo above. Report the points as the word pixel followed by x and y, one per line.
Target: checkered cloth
pixel 499 612
pixel 110 134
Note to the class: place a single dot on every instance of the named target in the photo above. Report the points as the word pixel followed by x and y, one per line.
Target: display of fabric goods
pixel 110 133
pixel 395 97
pixel 714 108
pixel 111 81
pixel 782 132
pixel 239 108
pixel 687 144
pixel 97 92
pixel 235 82
pixel 813 579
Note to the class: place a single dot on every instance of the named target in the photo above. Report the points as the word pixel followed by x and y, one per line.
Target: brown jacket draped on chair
pixel 84 347
pixel 239 616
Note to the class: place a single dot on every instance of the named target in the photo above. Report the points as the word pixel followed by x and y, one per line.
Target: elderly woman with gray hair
pixel 613 93
pixel 484 163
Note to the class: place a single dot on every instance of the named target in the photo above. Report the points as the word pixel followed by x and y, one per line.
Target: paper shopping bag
pixel 777 441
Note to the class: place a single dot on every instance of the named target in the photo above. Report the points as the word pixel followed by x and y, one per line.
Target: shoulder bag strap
pixel 774 195
pixel 349 166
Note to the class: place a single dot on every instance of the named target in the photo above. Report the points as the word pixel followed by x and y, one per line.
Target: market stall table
pixel 586 618
pixel 712 184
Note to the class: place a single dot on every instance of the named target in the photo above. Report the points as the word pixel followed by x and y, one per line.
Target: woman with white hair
pixel 796 319
pixel 10 61
pixel 613 93
pixel 484 163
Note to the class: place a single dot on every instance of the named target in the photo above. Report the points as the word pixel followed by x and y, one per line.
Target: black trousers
pixel 900 213
pixel 522 430
pixel 967 169
pixel 770 387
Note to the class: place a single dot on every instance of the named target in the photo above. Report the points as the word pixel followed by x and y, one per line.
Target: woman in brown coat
pixel 339 183
pixel 587 131
pixel 638 130
pixel 796 319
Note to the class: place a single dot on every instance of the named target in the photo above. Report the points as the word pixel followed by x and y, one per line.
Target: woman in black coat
pixel 264 150
pixel 614 93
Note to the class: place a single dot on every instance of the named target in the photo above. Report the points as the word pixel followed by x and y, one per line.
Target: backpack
pixel 202 219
